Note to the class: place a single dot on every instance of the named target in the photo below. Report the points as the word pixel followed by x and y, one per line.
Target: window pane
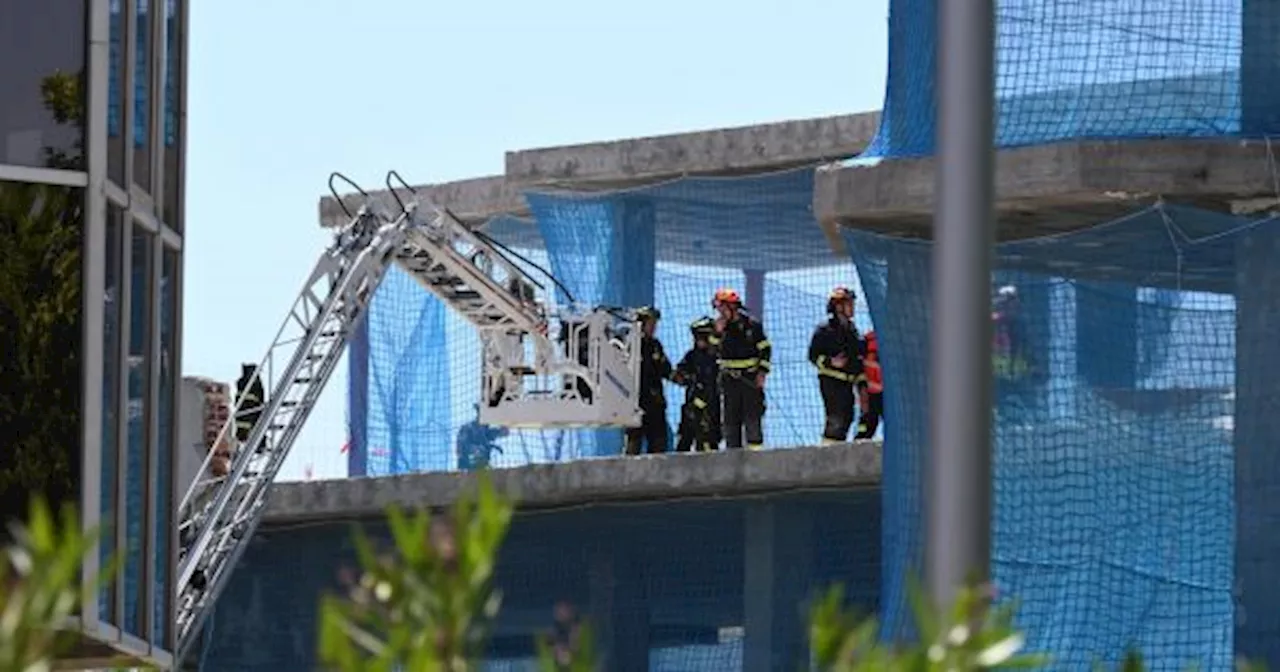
pixel 167 445
pixel 115 94
pixel 42 58
pixel 174 97
pixel 142 95
pixel 40 336
pixel 111 323
pixel 136 447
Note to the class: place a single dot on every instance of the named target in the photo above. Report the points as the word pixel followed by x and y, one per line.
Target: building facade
pixel 92 138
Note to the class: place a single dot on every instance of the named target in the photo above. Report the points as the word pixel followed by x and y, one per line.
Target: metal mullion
pixel 93 296
pixel 128 98
pixel 180 83
pixel 125 301
pixel 174 486
pixel 152 449
pixel 157 56
pixel 67 178
pixel 116 194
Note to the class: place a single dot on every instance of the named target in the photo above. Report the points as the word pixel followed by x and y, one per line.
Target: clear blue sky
pixel 283 92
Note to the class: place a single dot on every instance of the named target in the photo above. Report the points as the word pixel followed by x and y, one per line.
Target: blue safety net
pixel 673 574
pixel 1094 69
pixel 415 369
pixel 1124 357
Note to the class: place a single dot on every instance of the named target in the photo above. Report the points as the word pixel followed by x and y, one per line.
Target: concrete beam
pixel 728 151
pixel 1055 188
pixel 474 200
pixel 720 474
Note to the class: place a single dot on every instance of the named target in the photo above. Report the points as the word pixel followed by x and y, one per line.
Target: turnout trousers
pixel 699 428
pixel 744 408
pixel 838 401
pixel 651 434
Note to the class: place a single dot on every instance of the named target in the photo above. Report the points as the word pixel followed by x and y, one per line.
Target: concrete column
pixel 618 609
pixel 753 293
pixel 1257 448
pixel 1260 67
pixel 358 401
pixel 903 324
pixel 778 575
pixel 1107 335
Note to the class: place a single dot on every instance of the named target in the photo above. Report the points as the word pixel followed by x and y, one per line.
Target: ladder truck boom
pixel 569 367
pixel 219 513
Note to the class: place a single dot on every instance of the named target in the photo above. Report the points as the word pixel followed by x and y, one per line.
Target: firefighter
pixel 655 368
pixel 744 354
pixel 871 393
pixel 1009 358
pixel 835 350
pixel 251 399
pixel 476 443
pixel 698 371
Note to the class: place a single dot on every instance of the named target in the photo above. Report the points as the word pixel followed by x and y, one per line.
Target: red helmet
pixel 726 295
pixel 873 344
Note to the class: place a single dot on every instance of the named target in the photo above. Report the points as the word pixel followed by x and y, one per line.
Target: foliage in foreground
pixel 427 604
pixel 40 587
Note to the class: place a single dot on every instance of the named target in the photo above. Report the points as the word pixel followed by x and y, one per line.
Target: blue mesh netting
pixel 414 371
pixel 266 620
pixel 1115 504
pixel 1097 69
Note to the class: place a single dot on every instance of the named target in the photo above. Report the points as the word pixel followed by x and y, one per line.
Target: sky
pixel 283 92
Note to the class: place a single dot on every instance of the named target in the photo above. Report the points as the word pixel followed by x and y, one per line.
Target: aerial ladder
pixel 541 366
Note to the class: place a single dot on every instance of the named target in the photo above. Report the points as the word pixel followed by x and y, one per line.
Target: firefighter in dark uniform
pixel 871 398
pixel 655 368
pixel 836 351
pixel 744 353
pixel 699 372
pixel 251 399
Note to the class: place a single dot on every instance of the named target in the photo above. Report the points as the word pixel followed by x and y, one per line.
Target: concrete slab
pixel 727 151
pixel 473 200
pixel 673 476
pixel 1055 188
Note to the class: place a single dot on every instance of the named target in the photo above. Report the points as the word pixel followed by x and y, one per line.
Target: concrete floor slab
pixel 473 200
pixel 585 482
pixel 1053 188
pixel 727 151
pixel 1056 188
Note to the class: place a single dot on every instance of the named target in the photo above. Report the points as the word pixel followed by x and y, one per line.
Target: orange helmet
pixel 726 295
pixel 873 344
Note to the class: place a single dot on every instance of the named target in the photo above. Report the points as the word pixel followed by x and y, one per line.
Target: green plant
pixel 974 634
pixel 40 587
pixel 428 605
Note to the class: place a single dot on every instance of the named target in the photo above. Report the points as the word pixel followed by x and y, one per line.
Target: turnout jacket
pixel 654 369
pixel 830 339
pixel 743 347
pixel 699 372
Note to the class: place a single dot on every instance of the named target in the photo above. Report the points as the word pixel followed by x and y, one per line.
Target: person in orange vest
pixel 871 394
